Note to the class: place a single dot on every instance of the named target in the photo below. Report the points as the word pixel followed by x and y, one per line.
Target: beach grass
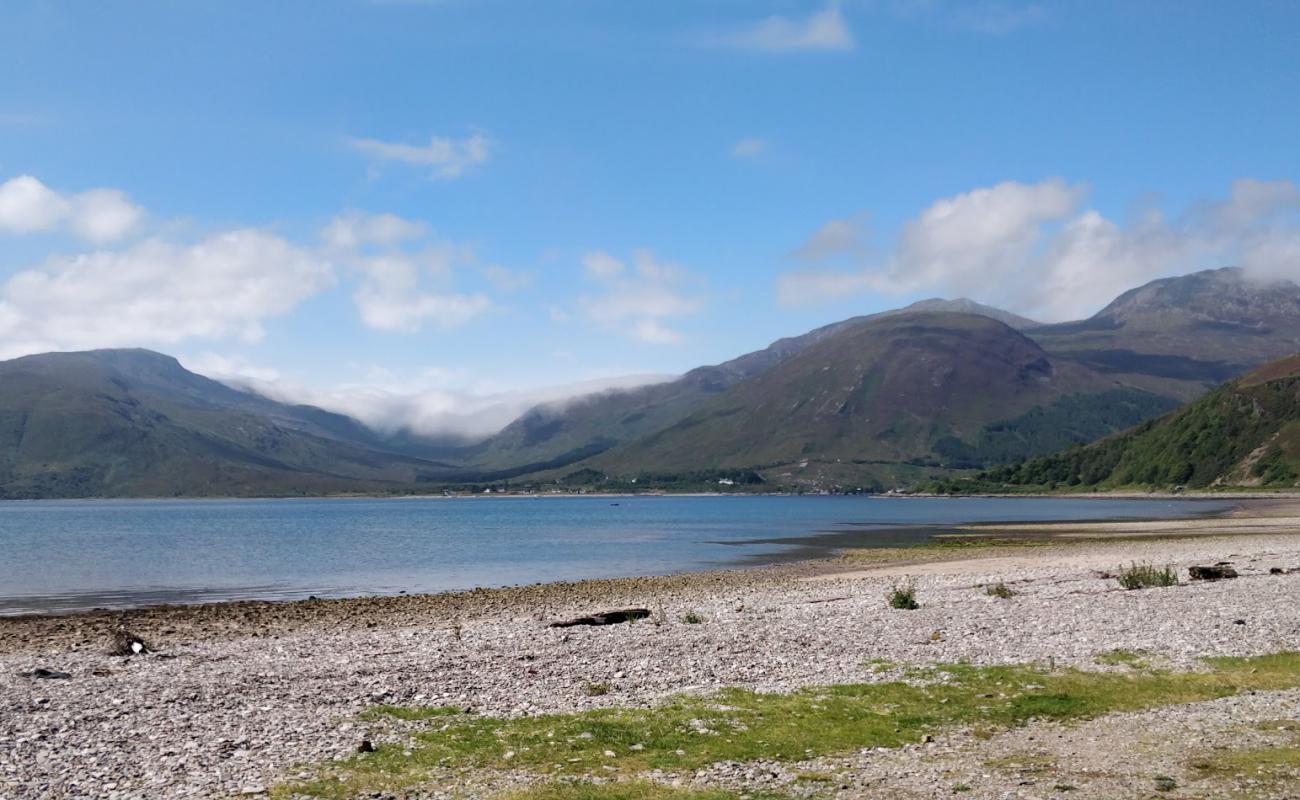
pixel 739 725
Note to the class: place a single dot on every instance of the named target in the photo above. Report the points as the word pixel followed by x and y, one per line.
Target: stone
pixel 1216 572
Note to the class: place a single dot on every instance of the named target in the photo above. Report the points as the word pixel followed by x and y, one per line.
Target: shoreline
pixel 238 698
pixel 270 616
pixel 816 552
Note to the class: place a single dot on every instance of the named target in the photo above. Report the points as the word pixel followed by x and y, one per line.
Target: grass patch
pixel 411 713
pixel 1143 576
pixel 597 689
pixel 1000 591
pixel 1137 659
pixel 1027 764
pixel 628 790
pixel 739 725
pixel 1265 768
pixel 903 597
pixel 692 618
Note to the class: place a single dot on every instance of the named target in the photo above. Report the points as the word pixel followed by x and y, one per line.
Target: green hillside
pixel 136 423
pixel 1243 434
pixel 919 389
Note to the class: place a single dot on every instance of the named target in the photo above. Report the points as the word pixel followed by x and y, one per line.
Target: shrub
pixel 1141 576
pixel 691 618
pixel 903 596
pixel 1000 591
pixel 597 689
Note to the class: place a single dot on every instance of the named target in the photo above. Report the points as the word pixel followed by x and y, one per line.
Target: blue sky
pixel 425 211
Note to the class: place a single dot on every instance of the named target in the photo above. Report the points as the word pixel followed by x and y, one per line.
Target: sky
pixel 434 214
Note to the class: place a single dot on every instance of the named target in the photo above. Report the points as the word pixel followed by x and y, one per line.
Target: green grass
pixel 692 618
pixel 410 713
pixel 739 725
pixel 1000 591
pixel 1257 772
pixel 1137 659
pixel 1144 576
pixel 903 597
pixel 627 790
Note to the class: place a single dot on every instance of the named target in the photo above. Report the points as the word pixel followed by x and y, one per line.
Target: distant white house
pixel 726 482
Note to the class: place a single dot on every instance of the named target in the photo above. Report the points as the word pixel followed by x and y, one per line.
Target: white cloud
pixel 601 265
pixel 1035 249
pixel 748 147
pixel 99 216
pixel 836 237
pixel 431 402
pixel 355 229
pixel 391 299
pixel 449 158
pixel 823 30
pixel 507 280
pixel 637 301
pixel 157 293
pixel 403 280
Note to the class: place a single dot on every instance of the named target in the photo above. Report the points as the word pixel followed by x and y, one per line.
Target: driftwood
pixel 46 674
pixel 604 618
pixel 1217 572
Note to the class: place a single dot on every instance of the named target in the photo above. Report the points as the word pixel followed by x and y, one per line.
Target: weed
pixel 1164 783
pixel 1142 576
pixel 597 689
pixel 903 596
pixel 691 618
pixel 1000 591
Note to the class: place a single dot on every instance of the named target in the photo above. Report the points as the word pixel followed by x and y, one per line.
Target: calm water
pixel 69 555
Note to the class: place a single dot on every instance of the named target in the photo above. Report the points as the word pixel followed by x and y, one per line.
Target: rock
pixel 366 746
pixel 42 673
pixel 126 643
pixel 605 618
pixel 1212 573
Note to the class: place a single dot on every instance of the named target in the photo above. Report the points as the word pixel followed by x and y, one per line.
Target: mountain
pixel 1151 349
pixel 1245 433
pixel 964 305
pixel 884 399
pixel 919 388
pixel 134 422
pixel 1182 336
pixel 556 434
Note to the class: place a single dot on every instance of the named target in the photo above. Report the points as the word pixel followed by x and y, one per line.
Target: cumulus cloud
pixel 158 293
pixel 447 157
pixel 1035 248
pixel 638 300
pixel 403 278
pixel 100 216
pixel 823 30
pixel 391 299
pixel 748 147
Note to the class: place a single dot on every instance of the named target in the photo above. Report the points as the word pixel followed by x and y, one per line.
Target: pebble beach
pixel 237 698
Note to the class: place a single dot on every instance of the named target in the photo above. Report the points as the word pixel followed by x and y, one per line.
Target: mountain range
pixel 942 386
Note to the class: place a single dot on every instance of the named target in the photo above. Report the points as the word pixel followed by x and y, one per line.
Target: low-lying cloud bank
pixel 1037 250
pixel 437 412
